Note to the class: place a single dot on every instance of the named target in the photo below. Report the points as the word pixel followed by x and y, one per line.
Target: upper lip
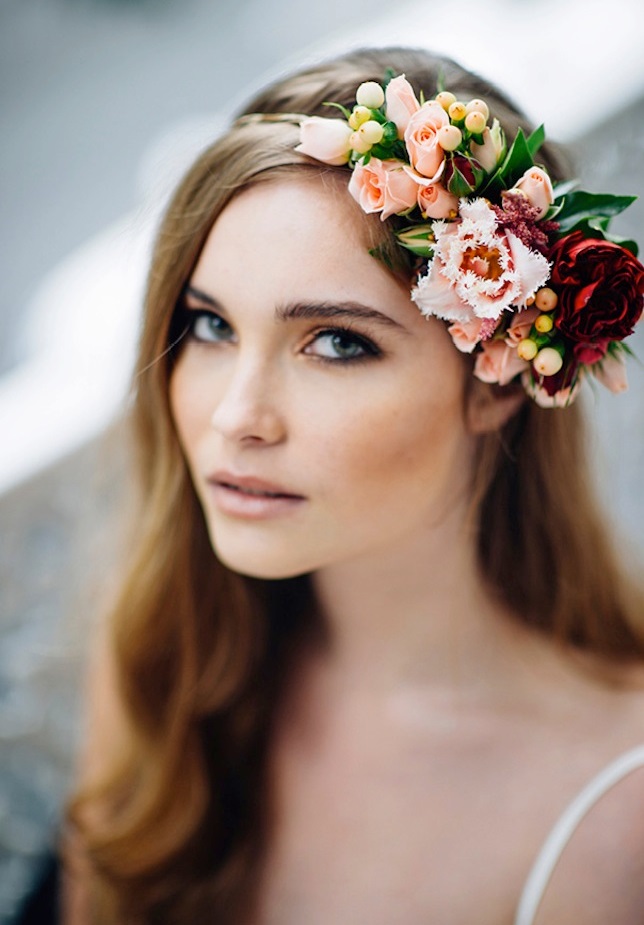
pixel 250 483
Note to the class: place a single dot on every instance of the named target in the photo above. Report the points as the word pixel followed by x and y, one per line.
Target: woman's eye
pixel 209 327
pixel 341 345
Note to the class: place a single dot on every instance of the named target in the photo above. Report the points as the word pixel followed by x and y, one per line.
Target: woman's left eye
pixel 209 327
pixel 341 345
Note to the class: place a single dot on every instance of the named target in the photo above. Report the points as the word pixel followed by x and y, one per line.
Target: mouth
pixel 250 497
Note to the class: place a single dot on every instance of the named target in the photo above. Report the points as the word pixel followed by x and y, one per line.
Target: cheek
pixel 404 452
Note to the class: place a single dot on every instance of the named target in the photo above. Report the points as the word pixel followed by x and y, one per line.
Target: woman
pixel 373 639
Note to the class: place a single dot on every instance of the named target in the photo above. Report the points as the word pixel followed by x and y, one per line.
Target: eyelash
pixel 369 349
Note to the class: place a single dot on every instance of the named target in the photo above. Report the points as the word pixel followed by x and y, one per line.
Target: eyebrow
pixel 314 310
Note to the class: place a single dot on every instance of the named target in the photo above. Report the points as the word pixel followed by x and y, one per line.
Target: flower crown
pixel 526 273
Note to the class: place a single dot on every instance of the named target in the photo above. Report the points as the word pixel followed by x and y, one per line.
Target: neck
pixel 418 613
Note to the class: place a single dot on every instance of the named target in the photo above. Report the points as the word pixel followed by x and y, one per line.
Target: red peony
pixel 600 287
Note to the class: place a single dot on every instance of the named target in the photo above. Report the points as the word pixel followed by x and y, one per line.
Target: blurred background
pixel 103 103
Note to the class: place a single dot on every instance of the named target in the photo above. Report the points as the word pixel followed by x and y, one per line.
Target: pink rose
pixel 326 140
pixel 611 372
pixel 521 325
pixel 434 201
pixel 400 103
pixel 498 363
pixel 537 186
pixel 383 186
pixel 425 153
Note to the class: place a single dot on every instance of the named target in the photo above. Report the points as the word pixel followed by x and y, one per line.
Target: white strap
pixel 565 826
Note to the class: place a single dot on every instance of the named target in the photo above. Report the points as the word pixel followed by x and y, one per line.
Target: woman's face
pixel 320 414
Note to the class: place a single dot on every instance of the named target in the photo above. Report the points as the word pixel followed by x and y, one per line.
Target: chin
pixel 260 561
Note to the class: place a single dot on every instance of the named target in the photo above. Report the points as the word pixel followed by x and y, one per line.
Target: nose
pixel 249 409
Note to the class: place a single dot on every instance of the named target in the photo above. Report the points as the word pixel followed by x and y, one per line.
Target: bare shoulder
pixel 599 876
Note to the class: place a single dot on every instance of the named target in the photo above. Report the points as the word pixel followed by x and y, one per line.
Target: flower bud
pixel 445 98
pixel 370 94
pixel 457 111
pixel 359 115
pixel 358 143
pixel 449 137
pixel 527 349
pixel 371 132
pixel 475 122
pixel 478 106
pixel 546 299
pixel 544 323
pixel 548 361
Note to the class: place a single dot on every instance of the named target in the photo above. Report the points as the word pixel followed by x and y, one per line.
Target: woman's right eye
pixel 209 327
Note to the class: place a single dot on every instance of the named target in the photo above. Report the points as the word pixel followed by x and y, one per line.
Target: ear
pixel 489 407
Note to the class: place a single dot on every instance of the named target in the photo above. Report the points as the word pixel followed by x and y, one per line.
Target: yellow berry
pixel 548 361
pixel 475 122
pixel 527 349
pixel 359 115
pixel 358 143
pixel 449 137
pixel 546 299
pixel 478 106
pixel 445 98
pixel 457 111
pixel 544 323
pixel 371 131
pixel 370 94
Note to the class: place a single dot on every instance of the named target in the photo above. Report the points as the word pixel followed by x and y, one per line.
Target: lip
pixel 251 498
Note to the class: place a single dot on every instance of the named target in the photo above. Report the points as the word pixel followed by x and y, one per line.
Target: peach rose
pixel 400 103
pixel 466 334
pixel 521 325
pixel 383 186
pixel 498 363
pixel 537 186
pixel 434 201
pixel 611 372
pixel 425 153
pixel 326 140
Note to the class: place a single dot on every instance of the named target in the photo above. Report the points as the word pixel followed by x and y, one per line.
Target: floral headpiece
pixel 527 275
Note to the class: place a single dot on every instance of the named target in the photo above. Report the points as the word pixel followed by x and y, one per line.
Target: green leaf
pixel 535 140
pixel 458 184
pixel 516 162
pixel 564 187
pixel 579 205
pixel 390 133
pixel 597 227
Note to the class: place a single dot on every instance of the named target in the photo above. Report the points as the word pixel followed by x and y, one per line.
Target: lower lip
pixel 249 506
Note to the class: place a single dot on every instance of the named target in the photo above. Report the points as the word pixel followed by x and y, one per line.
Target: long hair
pixel 175 829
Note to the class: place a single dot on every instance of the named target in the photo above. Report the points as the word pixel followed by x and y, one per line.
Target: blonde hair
pixel 175 830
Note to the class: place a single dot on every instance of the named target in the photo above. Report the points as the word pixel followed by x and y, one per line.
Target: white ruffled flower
pixel 478 270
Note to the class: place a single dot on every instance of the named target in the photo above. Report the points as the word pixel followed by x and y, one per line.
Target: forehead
pixel 304 236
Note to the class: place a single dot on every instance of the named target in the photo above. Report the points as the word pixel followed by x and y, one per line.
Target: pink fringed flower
pixel 478 268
